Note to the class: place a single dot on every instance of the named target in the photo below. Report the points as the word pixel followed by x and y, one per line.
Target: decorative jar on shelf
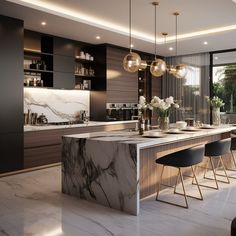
pixel 216 116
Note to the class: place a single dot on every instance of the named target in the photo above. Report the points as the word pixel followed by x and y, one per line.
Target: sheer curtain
pixel 192 90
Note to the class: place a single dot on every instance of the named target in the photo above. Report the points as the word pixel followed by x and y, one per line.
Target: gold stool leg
pixel 194 177
pixel 206 168
pixel 234 161
pixel 233 157
pixel 224 169
pixel 182 182
pixel 177 180
pixel 174 204
pixel 214 175
pixel 160 182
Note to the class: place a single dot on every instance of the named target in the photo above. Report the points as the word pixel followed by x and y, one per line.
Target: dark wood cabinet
pixel 44 147
pixel 64 80
pixel 63 64
pixel 11 145
pixel 64 47
pixel 122 86
pixel 11 94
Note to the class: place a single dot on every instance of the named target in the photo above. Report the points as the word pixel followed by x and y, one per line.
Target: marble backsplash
pixel 56 105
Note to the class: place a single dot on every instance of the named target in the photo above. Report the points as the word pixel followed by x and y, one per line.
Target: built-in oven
pixel 121 111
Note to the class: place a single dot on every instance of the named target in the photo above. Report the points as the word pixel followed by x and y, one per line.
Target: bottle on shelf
pixel 33 64
pixel 43 66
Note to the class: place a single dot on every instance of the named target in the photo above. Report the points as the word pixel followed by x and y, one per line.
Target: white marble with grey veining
pixel 28 128
pixel 31 204
pixel 57 105
pixel 104 166
pixel 143 142
pixel 106 174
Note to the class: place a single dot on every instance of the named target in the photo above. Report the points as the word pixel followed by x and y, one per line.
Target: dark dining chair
pixel 184 158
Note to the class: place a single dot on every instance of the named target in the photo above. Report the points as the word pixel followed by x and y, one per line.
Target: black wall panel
pixel 11 93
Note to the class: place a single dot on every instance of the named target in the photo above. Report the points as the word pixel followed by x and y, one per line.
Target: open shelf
pixel 35 52
pixel 38 71
pixel 84 61
pixel 85 76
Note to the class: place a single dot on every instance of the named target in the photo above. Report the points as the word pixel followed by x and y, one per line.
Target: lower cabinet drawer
pixel 42 156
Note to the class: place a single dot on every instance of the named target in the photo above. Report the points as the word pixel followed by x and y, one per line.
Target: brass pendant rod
pixel 130 40
pixel 176 35
pixel 176 32
pixel 155 4
pixel 155 31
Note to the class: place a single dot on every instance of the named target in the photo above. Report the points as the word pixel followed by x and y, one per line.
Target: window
pixel 224 79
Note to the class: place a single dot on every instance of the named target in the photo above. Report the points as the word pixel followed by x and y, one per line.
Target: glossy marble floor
pixel 31 204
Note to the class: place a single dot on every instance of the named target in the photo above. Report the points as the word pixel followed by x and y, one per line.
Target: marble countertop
pixel 89 124
pixel 142 142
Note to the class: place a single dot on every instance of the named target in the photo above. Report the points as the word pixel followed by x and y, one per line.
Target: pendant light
pixel 180 70
pixel 131 61
pixel 158 66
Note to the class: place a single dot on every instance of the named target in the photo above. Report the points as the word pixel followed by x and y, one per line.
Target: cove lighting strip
pixel 96 22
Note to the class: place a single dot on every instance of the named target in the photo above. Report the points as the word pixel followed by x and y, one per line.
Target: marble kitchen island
pixel 117 169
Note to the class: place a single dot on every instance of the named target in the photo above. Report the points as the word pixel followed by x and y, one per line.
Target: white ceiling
pixel 224 58
pixel 84 19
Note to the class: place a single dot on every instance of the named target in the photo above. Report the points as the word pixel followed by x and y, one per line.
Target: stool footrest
pixel 171 203
pixel 199 198
pixel 222 181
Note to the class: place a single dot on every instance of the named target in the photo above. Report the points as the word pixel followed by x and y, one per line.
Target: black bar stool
pixel 217 150
pixel 233 227
pixel 184 158
pixel 233 148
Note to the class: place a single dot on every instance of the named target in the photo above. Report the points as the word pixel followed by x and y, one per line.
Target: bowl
pixel 181 124
pixel 206 126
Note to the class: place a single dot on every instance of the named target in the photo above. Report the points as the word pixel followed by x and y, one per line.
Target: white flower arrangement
pixel 142 105
pixel 215 101
pixel 163 106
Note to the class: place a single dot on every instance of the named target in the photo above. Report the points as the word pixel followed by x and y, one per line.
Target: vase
pixel 163 123
pixel 216 116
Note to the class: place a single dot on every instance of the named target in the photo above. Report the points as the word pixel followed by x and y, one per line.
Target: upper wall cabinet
pixel 64 47
pixel 122 87
pixel 63 63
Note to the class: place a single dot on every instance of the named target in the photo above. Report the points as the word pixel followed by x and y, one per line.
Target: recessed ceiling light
pixel 90 20
pixel 43 23
pixel 171 49
pixel 131 45
pixel 98 37
pixel 234 1
pixel 216 58
pixel 205 43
